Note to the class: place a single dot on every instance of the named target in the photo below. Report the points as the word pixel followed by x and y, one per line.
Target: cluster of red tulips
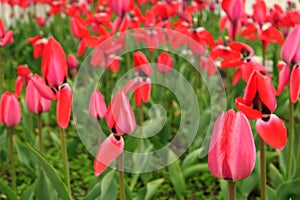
pixel 232 150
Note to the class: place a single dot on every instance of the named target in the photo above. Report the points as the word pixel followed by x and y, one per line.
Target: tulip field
pixel 149 99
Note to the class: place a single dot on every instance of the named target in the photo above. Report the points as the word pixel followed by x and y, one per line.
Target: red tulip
pixel 10 110
pixel 42 88
pixel 295 84
pixel 272 131
pixel 142 91
pixel 72 61
pixel 41 22
pixel 119 115
pixel 97 106
pixel 164 63
pixel 54 64
pixel 284 77
pixel 121 6
pixel 23 75
pixel 141 64
pixel 38 43
pixel 111 148
pixel 5 37
pixel 290 51
pixel 78 27
pixel 34 101
pixel 234 9
pixel 232 151
pixel 63 106
pixel 260 12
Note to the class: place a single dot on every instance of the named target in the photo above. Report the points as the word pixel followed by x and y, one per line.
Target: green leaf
pixel 289 189
pixel 108 186
pixel 26 157
pixel 177 179
pixel 52 175
pixel 8 191
pixel 29 192
pixel 44 189
pixel 152 188
pixel 191 170
pixel 191 158
pixel 275 175
pixel 271 193
pixel 94 192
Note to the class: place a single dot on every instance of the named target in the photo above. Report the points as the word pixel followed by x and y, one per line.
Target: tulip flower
pixel 111 148
pixel 23 75
pixel 63 106
pixel 54 64
pixel 5 37
pixel 97 106
pixel 164 63
pixel 290 52
pixel 141 64
pixel 10 109
pixel 38 43
pixel 78 27
pixel 259 102
pixel 41 22
pixel 34 101
pixel 119 115
pixel 232 151
pixel 120 7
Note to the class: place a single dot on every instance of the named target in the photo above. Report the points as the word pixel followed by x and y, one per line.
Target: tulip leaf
pixel 108 186
pixel 44 189
pixel 191 170
pixel 94 192
pixel 289 189
pixel 52 175
pixel 152 188
pixel 177 179
pixel 275 175
pixel 29 192
pixel 271 193
pixel 26 157
pixel 191 158
pixel 8 191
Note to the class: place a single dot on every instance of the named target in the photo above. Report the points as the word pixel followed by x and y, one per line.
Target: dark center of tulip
pixel 260 106
pixel 245 55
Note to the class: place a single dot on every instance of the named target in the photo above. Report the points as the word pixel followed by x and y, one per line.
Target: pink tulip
pixel 121 6
pixel 97 106
pixel 266 130
pixel 164 63
pixel 42 88
pixel 10 109
pixel 284 77
pixel 232 151
pixel 5 37
pixel 260 12
pixel 63 106
pixel 119 115
pixel 54 64
pixel 72 61
pixel 295 84
pixel 234 9
pixel 41 22
pixel 111 148
pixel 34 101
pixel 290 51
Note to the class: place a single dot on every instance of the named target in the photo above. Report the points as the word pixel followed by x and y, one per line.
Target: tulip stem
pixel 40 134
pixel 12 161
pixel 141 129
pixel 291 140
pixel 263 174
pixel 65 157
pixel 231 190
pixel 1 71
pixel 263 54
pixel 121 178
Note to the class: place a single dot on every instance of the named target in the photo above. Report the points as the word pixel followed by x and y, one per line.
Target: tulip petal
pixel 109 150
pixel 295 84
pixel 247 110
pixel 63 106
pixel 42 88
pixel 291 45
pixel 266 92
pixel 283 78
pixel 273 132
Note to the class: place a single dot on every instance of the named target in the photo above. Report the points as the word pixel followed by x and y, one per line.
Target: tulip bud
pixel 10 110
pixel 232 151
pixel 164 63
pixel 97 106
pixel 63 106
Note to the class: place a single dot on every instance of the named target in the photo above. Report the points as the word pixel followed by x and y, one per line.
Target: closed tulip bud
pixel 121 6
pixel 111 148
pixel 234 9
pixel 290 51
pixel 141 64
pixel 232 151
pixel 63 106
pixel 119 115
pixel 10 110
pixel 97 106
pixel 164 63
pixel 72 61
pixel 54 64
pixel 34 101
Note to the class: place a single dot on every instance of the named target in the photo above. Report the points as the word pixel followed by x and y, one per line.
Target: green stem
pixel 1 71
pixel 40 134
pixel 65 157
pixel 263 174
pixel 141 114
pixel 128 61
pixel 290 140
pixel 121 178
pixel 12 161
pixel 263 54
pixel 231 190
